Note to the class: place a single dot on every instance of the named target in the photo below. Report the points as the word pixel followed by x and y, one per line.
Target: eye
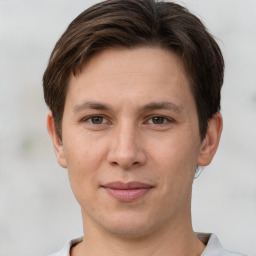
pixel 159 120
pixel 96 120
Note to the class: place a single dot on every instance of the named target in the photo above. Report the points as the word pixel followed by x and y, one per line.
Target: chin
pixel 130 231
pixel 129 227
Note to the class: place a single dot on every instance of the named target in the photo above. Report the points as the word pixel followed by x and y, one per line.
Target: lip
pixel 127 192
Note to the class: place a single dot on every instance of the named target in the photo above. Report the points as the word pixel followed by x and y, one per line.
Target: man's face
pixel 130 141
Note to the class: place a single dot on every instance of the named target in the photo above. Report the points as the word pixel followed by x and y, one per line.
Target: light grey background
pixel 38 212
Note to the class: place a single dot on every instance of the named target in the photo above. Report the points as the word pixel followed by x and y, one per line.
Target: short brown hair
pixel 135 23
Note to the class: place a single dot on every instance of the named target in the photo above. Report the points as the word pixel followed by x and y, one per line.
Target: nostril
pixel 114 163
pixel 126 165
pixel 126 157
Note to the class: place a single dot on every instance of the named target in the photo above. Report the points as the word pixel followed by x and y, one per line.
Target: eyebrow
pixel 150 106
pixel 163 105
pixel 90 105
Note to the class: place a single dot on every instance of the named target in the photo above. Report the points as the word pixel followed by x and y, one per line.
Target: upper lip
pixel 127 185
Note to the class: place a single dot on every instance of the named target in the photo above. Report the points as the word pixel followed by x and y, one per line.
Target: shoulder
pixel 65 251
pixel 214 247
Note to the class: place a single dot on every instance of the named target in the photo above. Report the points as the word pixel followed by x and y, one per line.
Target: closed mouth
pixel 127 192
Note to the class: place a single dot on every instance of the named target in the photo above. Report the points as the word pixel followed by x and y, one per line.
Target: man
pixel 133 88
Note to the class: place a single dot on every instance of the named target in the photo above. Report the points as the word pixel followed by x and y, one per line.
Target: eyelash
pixel 163 118
pixel 89 119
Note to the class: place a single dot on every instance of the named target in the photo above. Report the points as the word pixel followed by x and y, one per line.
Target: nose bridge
pixel 125 149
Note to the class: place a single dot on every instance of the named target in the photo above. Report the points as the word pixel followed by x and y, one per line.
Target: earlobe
pixel 56 141
pixel 211 141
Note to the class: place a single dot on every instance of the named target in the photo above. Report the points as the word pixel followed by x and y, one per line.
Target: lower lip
pixel 128 195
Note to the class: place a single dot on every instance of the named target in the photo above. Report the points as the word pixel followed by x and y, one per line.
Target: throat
pixel 189 247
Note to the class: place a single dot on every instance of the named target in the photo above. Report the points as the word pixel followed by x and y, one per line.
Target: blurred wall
pixel 38 212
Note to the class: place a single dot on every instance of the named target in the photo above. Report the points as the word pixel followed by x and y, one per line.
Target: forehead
pixel 139 75
pixel 115 61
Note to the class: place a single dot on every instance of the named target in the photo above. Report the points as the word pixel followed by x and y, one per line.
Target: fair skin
pixel 130 118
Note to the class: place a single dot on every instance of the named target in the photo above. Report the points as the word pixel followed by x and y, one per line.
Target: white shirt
pixel 213 246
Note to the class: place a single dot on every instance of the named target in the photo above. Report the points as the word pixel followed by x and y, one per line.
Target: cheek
pixel 176 160
pixel 84 160
pixel 83 152
pixel 176 151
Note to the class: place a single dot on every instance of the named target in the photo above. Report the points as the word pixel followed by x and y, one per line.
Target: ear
pixel 56 141
pixel 211 141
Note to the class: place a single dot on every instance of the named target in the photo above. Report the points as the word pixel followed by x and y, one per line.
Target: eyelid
pixel 167 119
pixel 86 119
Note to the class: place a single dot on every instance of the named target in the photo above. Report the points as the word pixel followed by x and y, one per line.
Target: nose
pixel 126 148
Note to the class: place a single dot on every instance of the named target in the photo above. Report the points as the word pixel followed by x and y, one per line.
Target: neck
pixel 177 238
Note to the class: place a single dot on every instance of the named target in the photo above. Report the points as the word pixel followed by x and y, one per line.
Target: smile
pixel 127 192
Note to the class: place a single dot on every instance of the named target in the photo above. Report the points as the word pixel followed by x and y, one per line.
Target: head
pixel 130 24
pixel 134 92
